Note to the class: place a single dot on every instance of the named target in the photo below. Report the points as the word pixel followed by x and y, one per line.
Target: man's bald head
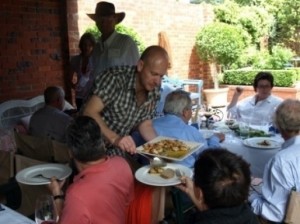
pixel 154 53
pixel 151 67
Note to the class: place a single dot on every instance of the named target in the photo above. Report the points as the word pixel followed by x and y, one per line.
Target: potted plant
pixel 220 45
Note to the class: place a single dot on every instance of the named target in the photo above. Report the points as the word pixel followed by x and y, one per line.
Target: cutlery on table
pixel 41 176
pixel 179 173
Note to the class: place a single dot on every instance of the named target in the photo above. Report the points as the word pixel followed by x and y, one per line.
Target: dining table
pixel 257 157
pixel 9 216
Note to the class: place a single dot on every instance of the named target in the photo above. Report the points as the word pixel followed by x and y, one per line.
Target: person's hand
pixel 55 186
pixel 221 136
pixel 239 90
pixel 126 143
pixel 187 186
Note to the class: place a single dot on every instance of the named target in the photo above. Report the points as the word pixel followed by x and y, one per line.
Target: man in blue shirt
pixel 178 112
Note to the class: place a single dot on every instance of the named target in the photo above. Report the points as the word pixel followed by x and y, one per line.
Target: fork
pixel 179 173
pixel 42 176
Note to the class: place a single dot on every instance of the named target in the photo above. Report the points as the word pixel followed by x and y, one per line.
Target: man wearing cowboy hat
pixel 113 49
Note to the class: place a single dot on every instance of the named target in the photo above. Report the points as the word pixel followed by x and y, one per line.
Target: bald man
pixel 124 99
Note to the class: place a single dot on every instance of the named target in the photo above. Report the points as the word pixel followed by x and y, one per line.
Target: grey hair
pixel 287 116
pixel 177 101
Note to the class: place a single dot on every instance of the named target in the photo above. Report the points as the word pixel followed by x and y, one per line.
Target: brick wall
pixel 38 37
pixel 33 50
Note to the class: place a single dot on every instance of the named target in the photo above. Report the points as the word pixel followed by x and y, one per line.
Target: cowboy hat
pixel 106 9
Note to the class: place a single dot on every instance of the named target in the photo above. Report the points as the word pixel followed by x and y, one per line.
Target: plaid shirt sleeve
pixel 105 87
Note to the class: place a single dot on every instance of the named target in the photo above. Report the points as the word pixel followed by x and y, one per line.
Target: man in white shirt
pixel 282 172
pixel 113 49
pixel 260 106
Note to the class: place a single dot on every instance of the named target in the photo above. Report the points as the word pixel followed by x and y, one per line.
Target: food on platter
pixel 264 143
pixel 166 147
pixel 156 170
pixel 168 173
pixel 252 132
pixel 164 173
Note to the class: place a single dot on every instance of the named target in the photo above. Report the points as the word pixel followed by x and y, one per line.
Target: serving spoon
pixel 155 161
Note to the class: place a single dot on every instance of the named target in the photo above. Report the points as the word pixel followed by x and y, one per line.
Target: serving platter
pixel 192 147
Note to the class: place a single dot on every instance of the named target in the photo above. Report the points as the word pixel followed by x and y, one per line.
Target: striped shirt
pixel 116 88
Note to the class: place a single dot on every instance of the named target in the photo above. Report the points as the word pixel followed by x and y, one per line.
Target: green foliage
pixel 251 57
pixel 278 59
pixel 282 78
pixel 254 19
pixel 246 59
pixel 121 29
pixel 206 1
pixel 227 12
pixel 249 2
pixel 287 14
pixel 260 60
pixel 220 43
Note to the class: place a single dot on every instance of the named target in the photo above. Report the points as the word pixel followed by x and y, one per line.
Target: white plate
pixel 29 175
pixel 192 145
pixel 206 133
pixel 143 176
pixel 253 142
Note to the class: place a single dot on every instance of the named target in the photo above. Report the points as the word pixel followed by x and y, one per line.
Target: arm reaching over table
pixel 147 131
pixel 93 108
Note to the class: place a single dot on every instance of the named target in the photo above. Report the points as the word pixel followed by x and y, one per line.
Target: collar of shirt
pixel 291 141
pixel 253 100
pixel 109 40
pixel 93 169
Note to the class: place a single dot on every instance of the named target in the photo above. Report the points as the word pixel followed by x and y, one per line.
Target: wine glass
pixel 45 210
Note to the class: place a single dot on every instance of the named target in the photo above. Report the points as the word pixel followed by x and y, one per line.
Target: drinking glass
pixel 45 210
pixel 244 129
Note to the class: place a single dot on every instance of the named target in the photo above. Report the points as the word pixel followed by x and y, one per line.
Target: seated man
pixel 98 194
pixel 50 121
pixel 178 112
pixel 262 105
pixel 282 172
pixel 220 189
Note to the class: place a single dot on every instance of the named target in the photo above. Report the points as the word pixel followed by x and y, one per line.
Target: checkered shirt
pixel 116 88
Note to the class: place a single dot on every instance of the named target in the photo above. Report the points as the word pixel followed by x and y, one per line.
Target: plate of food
pixel 262 143
pixel 169 148
pixel 41 174
pixel 162 176
pixel 252 132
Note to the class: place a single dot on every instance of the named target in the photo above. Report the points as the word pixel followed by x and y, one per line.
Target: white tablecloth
pixel 9 216
pixel 257 158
